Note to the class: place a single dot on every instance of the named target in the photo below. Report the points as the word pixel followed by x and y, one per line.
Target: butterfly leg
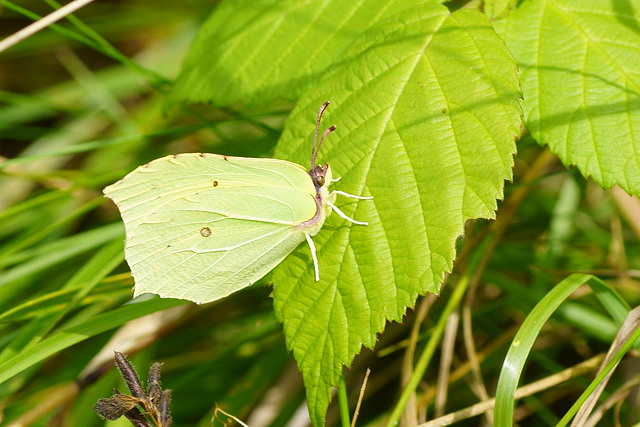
pixel 343 215
pixel 347 194
pixel 353 196
pixel 312 247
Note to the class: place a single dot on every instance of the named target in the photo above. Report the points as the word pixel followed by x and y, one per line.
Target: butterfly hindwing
pixel 201 226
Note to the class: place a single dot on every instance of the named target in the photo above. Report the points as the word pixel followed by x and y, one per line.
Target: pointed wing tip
pixel 110 189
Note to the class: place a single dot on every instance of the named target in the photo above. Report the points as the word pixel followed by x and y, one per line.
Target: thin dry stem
pixel 215 416
pixel 626 332
pixel 614 400
pixel 629 207
pixel 463 370
pixel 43 23
pixel 507 212
pixel 524 391
pixel 360 397
pixel 409 415
pixel 50 398
pixel 448 347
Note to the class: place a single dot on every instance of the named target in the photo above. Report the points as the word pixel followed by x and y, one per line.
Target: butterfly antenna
pixel 324 135
pixel 314 151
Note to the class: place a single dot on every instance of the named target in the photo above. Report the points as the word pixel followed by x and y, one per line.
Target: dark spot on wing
pixel 215 183
pixel 225 158
pixel 205 232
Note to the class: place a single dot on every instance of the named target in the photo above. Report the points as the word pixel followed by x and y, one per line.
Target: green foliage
pixel 416 76
pixel 525 338
pixel 427 103
pixel 255 51
pixel 399 90
pixel 579 63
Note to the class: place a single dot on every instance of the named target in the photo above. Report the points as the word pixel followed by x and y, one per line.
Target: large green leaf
pixel 427 109
pixel 580 71
pixel 498 8
pixel 254 51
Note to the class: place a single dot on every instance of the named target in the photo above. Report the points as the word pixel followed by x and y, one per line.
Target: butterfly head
pixel 319 175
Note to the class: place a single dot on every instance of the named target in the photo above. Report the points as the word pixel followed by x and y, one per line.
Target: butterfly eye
pixel 318 174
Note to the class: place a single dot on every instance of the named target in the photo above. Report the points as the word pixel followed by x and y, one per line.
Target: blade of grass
pixel 56 301
pixel 53 254
pixel 50 227
pixel 68 337
pixel 526 336
pixel 344 403
pixel 92 272
pixel 107 142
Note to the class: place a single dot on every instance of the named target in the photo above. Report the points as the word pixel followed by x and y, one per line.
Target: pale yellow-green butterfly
pixel 201 226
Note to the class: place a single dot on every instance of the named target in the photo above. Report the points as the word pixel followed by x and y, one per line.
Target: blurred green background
pixel 83 103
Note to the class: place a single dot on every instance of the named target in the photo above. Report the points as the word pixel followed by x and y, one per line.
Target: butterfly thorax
pixel 321 178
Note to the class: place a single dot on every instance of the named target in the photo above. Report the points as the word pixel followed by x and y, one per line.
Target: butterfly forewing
pixel 201 226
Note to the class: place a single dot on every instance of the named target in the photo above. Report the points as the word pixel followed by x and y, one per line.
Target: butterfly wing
pixel 201 226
